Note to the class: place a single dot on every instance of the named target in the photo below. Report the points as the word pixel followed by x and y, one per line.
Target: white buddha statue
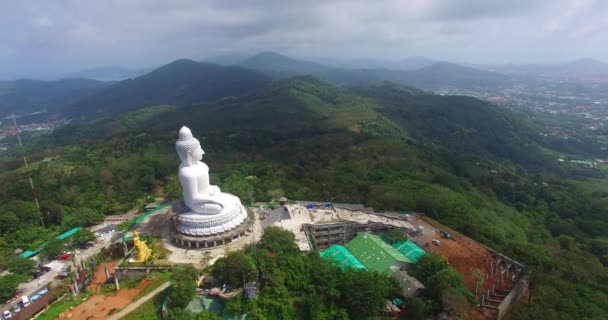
pixel 212 211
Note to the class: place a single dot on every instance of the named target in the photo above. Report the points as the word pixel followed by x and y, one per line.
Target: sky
pixel 63 36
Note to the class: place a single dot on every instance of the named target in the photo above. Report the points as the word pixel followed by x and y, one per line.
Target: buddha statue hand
pixel 207 206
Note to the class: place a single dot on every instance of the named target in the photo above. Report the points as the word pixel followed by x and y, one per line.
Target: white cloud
pixel 71 34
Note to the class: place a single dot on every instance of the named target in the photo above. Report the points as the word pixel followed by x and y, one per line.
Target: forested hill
pixel 23 96
pixel 463 162
pixel 181 82
pixel 430 75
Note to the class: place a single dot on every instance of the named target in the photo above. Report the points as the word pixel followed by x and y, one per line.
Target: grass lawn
pixel 158 278
pixel 149 310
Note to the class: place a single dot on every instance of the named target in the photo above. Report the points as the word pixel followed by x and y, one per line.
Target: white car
pixel 7 315
pixel 436 242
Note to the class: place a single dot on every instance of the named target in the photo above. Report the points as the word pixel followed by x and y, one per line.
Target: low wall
pixel 137 272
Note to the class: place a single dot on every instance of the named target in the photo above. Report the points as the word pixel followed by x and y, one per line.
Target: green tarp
pixel 374 253
pixel 343 257
pixel 410 250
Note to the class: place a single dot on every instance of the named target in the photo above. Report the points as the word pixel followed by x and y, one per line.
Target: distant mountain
pixel 416 71
pixel 453 75
pixel 413 63
pixel 109 73
pixel 279 66
pixel 23 96
pixel 227 60
pixel 435 76
pixel 181 82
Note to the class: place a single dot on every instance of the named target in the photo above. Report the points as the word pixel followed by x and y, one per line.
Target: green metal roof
pixel 374 253
pixel 344 258
pixel 68 233
pixel 410 250
pixel 29 253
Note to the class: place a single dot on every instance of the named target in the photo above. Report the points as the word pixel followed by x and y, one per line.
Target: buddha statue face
pixel 188 148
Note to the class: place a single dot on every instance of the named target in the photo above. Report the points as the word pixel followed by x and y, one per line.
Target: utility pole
pixel 27 168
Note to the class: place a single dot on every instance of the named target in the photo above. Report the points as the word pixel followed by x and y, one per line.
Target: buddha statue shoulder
pixel 199 195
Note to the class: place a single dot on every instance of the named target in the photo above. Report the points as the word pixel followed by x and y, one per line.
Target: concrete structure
pixel 327 234
pixel 218 239
pixel 211 211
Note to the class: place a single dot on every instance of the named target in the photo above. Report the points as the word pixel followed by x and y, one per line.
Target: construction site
pixel 348 234
pixel 498 281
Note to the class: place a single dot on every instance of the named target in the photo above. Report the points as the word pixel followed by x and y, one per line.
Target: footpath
pixel 139 302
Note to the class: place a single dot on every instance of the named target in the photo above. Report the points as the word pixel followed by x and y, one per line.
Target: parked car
pixel 436 242
pixel 63 256
pixel 25 301
pixel 16 308
pixel 7 315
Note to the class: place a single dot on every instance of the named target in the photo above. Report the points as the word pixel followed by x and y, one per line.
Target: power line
pixel 27 168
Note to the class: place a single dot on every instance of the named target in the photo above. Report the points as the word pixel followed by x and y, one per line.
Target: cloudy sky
pixel 62 36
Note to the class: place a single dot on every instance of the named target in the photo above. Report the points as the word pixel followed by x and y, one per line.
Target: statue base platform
pixel 199 236
pixel 195 224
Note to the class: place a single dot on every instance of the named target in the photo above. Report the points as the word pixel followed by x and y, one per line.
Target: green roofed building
pixel 343 257
pixel 376 254
pixel 409 249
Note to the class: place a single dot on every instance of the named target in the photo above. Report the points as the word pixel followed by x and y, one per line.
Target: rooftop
pixel 343 257
pixel 409 249
pixel 374 253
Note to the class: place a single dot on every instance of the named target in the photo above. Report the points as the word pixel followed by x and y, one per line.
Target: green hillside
pixel 466 163
pixel 280 66
pixel 429 75
pixel 181 82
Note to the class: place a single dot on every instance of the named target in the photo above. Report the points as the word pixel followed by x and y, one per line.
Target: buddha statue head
pixel 188 147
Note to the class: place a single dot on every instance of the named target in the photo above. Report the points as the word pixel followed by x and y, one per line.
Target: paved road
pixel 33 286
pixel 134 305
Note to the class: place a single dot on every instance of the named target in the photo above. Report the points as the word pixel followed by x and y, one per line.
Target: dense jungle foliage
pixel 468 164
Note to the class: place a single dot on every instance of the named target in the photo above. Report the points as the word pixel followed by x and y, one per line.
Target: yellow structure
pixel 142 252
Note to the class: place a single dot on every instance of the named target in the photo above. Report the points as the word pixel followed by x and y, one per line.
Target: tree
pixel 427 266
pixel 417 309
pixel 234 268
pixel 20 265
pixel 9 284
pixel 81 237
pixel 53 248
pixel 394 235
pixel 454 302
pixel 52 212
pixel 9 222
pixel 184 286
pixel 84 217
pixel 364 292
pixel 279 241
